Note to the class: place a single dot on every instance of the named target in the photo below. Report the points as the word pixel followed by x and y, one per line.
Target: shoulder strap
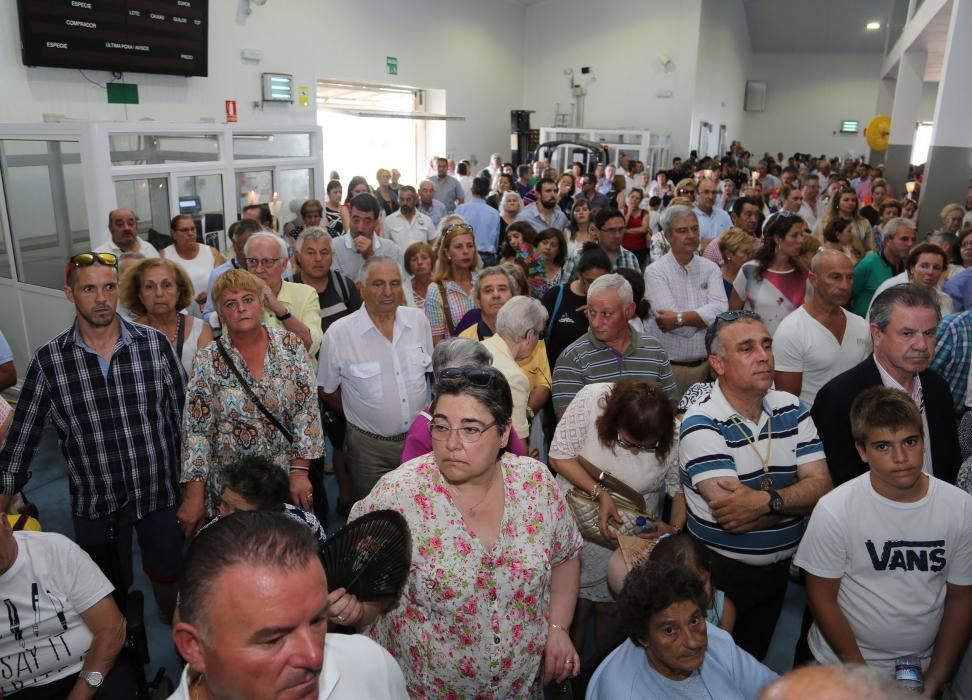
pixel 340 285
pixel 556 308
pixel 253 397
pixel 180 336
pixel 445 308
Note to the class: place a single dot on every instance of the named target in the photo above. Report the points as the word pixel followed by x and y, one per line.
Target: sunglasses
pixel 724 319
pixel 485 377
pixel 457 227
pixel 89 259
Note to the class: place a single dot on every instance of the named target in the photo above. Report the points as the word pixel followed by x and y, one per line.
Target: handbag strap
pixel 181 336
pixel 613 483
pixel 253 397
pixel 445 308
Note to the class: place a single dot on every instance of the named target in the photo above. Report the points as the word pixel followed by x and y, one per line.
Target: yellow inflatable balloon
pixel 877 132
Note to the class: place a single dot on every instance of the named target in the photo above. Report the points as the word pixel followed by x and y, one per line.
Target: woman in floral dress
pixel 488 603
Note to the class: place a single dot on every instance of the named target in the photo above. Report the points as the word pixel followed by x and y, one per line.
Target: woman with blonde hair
pixel 450 294
pixel 386 196
pixel 846 205
pixel 736 245
pixel 952 215
pixel 157 291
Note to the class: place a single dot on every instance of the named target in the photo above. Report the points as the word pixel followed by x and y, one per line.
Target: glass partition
pixel 148 197
pixel 294 188
pixel 44 190
pixel 254 187
pixel 247 146
pixel 145 149
pixel 201 196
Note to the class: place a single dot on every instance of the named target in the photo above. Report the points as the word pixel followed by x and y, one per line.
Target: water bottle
pixel 907 673
pixel 642 525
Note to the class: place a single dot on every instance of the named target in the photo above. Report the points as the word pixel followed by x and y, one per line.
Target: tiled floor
pixel 48 488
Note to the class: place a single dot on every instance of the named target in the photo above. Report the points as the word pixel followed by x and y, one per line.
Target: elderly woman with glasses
pixel 450 296
pixel 252 392
pixel 495 567
pixel 632 436
pixel 197 259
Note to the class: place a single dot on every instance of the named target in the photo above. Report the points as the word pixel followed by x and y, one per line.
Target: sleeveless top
pixel 194 327
pixel 199 269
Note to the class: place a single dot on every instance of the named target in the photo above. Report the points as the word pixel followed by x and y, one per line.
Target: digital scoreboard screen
pixel 129 36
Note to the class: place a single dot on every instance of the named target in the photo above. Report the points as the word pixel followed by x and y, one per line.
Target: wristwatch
pixel 679 319
pixel 284 317
pixel 92 679
pixel 775 502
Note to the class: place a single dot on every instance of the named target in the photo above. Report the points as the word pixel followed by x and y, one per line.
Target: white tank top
pixel 198 269
pixel 194 327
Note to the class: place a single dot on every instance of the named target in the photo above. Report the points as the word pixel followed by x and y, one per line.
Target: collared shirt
pixel 598 201
pixel 485 222
pixel 624 259
pixel 959 288
pixel 434 211
pixel 404 232
pixel 716 441
pixel 808 215
pixel 588 360
pixel 448 191
pixel 383 385
pixel 303 303
pixel 348 261
pixel 712 225
pixel 533 216
pixel 953 355
pixel 695 287
pixel 519 382
pixel 144 247
pixel 120 434
pixel 918 396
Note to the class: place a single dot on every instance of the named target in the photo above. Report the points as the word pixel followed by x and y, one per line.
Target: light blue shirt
pixel 727 673
pixel 485 222
pixel 712 225
pixel 434 211
pixel 124 339
pixel 6 354
pixel 532 216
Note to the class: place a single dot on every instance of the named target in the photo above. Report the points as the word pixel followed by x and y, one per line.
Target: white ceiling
pixel 816 26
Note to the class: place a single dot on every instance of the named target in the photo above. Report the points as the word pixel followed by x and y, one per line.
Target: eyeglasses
pixel 615 230
pixel 89 259
pixel 469 434
pixel 186 229
pixel 485 377
pixel 725 319
pixel 635 446
pixel 254 263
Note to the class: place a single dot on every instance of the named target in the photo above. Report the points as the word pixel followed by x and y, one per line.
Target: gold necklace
pixel 472 509
pixel 767 481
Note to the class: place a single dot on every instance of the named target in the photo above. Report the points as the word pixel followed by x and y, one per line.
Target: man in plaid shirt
pixel 114 392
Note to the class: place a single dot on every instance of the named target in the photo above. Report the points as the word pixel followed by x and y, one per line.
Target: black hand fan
pixel 370 557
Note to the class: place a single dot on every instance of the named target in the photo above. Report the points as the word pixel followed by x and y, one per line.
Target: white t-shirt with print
pixel 42 635
pixel 802 344
pixel 893 560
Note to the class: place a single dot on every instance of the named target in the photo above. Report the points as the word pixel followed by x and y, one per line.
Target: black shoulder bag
pixel 249 390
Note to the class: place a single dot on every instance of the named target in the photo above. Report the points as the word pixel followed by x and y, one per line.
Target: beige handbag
pixel 586 510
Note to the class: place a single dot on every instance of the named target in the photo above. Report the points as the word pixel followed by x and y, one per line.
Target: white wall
pixel 807 97
pixel 720 82
pixel 473 50
pixel 926 108
pixel 620 40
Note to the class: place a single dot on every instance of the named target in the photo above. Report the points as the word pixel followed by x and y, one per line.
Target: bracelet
pixel 299 469
pixel 555 626
pixel 284 317
pixel 596 493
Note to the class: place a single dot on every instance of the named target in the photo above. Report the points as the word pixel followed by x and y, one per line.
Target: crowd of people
pixel 761 354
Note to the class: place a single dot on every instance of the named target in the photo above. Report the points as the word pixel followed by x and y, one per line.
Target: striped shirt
pixel 587 360
pixel 953 354
pixel 715 442
pixel 460 303
pixel 119 428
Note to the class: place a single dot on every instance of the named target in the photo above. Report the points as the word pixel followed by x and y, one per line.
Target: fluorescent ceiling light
pixel 872 26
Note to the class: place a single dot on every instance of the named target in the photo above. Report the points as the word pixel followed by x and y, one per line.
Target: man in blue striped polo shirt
pixel 752 467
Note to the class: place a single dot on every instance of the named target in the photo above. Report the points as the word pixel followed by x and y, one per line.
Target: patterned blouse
pixel 472 623
pixel 460 302
pixel 221 423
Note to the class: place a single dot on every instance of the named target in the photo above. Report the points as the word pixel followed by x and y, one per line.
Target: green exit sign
pixel 391 64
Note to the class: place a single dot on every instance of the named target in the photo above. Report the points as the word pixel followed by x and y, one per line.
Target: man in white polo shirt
pixel 686 294
pixel 408 224
pixel 821 339
pixel 372 369
pixel 123 226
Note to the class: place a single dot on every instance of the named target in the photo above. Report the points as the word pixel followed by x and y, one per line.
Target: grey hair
pixel 266 236
pixel 909 295
pixel 678 211
pixel 890 229
pixel 822 253
pixel 510 194
pixel 519 316
pixel 312 233
pixel 717 347
pixel 376 260
pixel 459 352
pixel 612 282
pixel 496 270
pixel 862 681
pixel 943 238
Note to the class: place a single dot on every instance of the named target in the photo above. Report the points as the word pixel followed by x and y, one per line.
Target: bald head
pixel 835 683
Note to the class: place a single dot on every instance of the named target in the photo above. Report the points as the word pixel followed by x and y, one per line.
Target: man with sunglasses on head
pixel 123 227
pixel 114 391
pixel 752 467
